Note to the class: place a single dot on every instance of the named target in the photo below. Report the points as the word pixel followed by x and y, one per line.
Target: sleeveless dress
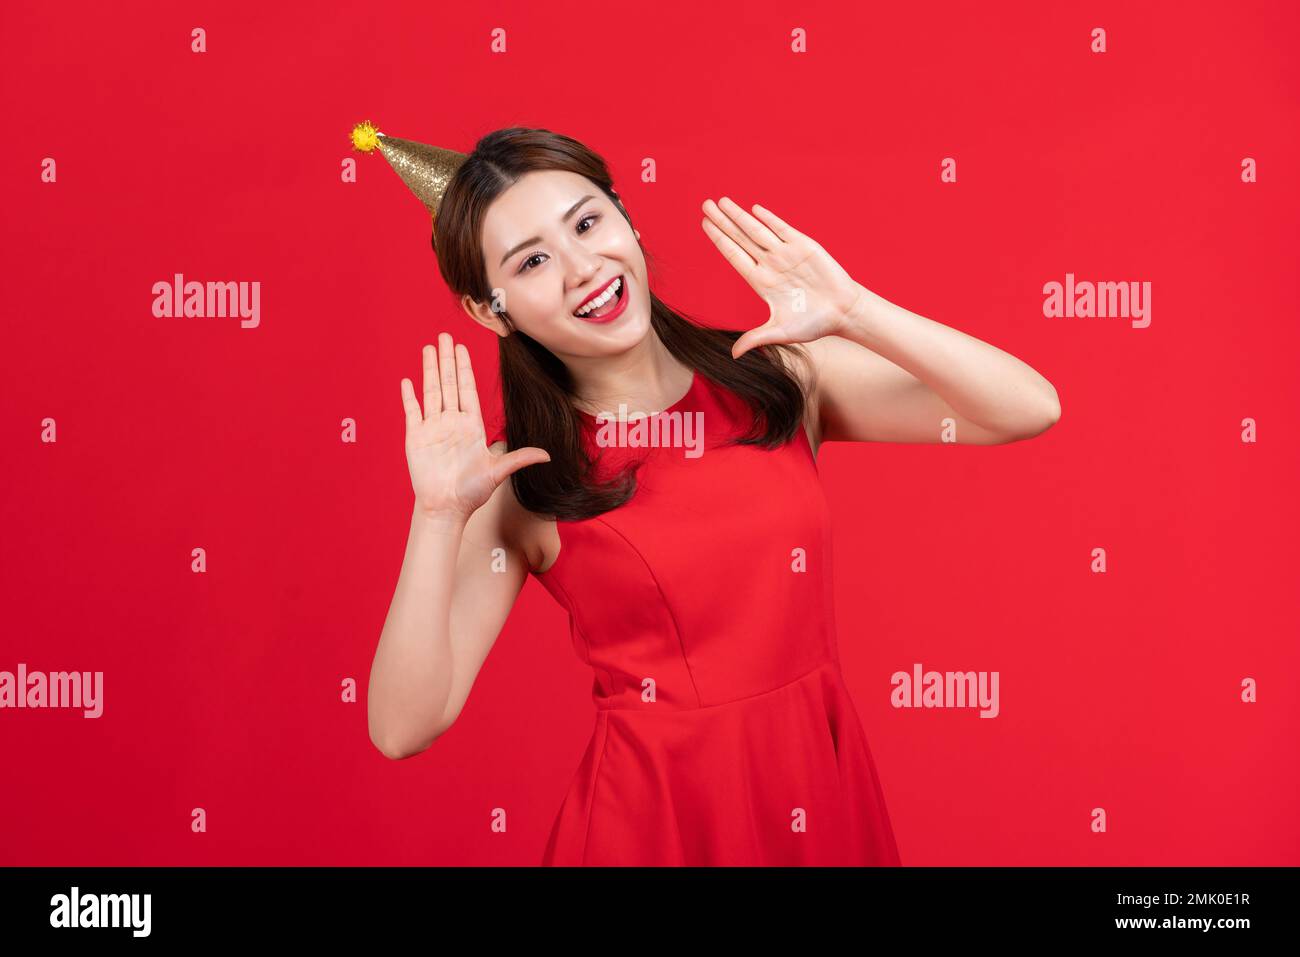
pixel 724 733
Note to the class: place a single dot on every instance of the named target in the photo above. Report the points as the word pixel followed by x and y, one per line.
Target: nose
pixel 583 274
pixel 583 264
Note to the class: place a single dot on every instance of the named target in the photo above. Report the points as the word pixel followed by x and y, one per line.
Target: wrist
pixel 854 316
pixel 860 318
pixel 443 522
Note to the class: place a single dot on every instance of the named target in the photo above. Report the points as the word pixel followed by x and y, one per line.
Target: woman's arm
pixel 461 573
pixel 458 582
pixel 890 375
pixel 882 374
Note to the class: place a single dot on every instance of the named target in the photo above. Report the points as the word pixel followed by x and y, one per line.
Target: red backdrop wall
pixel 222 689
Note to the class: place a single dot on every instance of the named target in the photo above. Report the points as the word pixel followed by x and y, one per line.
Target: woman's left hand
pixel 808 294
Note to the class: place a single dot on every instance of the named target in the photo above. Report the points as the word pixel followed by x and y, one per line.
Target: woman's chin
pixel 631 324
pixel 595 341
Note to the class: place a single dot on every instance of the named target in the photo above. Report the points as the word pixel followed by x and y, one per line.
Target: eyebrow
pixel 537 239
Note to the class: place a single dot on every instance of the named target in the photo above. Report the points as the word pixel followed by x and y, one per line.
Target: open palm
pixel 453 472
pixel 808 293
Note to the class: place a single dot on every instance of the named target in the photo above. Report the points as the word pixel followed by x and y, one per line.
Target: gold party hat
pixel 425 169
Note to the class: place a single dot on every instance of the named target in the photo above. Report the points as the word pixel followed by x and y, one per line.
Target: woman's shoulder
pixel 803 361
pixel 523 531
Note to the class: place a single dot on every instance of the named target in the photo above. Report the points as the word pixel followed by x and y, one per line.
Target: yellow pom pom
pixel 365 137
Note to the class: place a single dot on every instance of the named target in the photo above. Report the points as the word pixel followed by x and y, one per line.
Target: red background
pixel 222 689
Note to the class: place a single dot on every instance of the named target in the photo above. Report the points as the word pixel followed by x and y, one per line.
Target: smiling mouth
pixel 614 293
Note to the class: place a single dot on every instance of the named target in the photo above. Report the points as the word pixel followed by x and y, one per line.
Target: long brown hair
pixel 536 388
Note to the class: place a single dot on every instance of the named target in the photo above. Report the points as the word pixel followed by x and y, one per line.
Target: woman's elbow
pixel 1053 413
pixel 390 751
pixel 1048 415
pixel 396 748
pixel 397 752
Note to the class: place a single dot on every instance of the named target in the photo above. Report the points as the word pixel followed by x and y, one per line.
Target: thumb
pixel 511 462
pixel 764 335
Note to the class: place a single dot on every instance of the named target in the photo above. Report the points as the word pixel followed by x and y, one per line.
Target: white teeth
pixel 603 298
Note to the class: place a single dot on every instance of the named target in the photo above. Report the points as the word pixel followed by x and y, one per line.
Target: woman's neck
pixel 646 379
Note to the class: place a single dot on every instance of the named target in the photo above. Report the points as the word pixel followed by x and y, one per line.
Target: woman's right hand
pixel 453 472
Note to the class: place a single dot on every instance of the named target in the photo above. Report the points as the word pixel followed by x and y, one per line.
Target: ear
pixel 637 234
pixel 481 312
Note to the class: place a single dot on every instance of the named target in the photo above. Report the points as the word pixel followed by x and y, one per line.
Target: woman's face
pixel 552 241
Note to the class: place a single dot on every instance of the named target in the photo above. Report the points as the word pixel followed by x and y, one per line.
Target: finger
pixel 432 394
pixel 511 462
pixel 411 406
pixel 739 259
pixel 763 335
pixel 755 230
pixel 447 373
pixel 783 230
pixel 465 383
pixel 733 231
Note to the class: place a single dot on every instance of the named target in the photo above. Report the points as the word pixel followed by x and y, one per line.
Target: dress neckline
pixel 690 391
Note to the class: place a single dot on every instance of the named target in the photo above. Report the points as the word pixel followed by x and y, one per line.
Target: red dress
pixel 724 732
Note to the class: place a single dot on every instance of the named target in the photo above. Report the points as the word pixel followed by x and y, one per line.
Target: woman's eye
pixel 527 263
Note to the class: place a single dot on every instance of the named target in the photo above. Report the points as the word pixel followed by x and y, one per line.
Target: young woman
pixel 697 577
